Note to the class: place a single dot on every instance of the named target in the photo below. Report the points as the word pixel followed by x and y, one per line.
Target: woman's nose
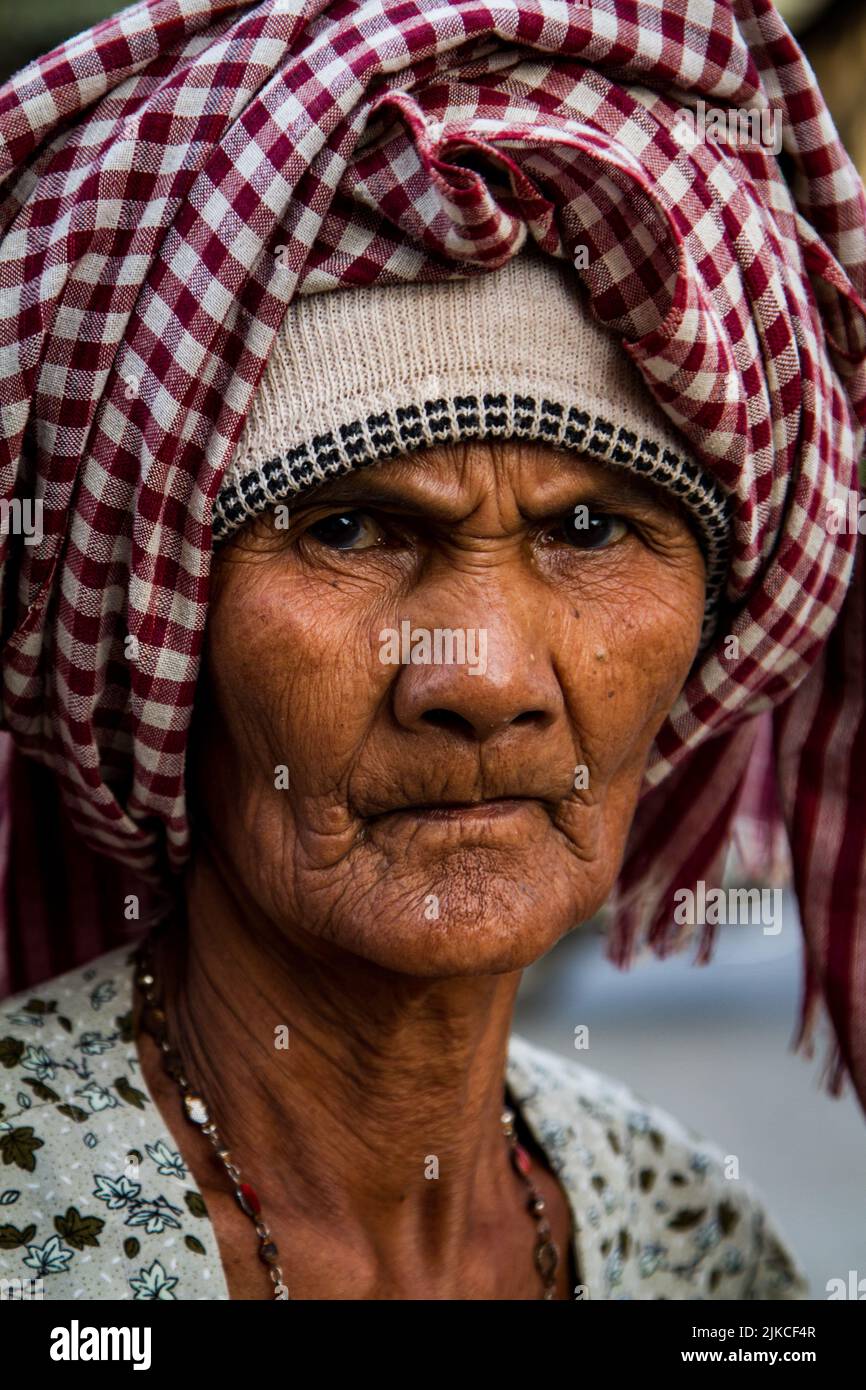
pixel 513 687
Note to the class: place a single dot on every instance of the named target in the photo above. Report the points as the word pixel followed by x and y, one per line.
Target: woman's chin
pixel 481 924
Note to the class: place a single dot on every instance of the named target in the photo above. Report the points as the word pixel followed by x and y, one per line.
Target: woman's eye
pixel 588 530
pixel 347 531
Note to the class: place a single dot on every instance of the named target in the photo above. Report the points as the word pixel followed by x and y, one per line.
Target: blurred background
pixel 709 1043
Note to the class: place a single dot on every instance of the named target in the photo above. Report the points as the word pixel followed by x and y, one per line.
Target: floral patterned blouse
pixel 96 1202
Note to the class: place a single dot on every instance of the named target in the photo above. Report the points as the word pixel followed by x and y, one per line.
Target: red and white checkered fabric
pixel 151 168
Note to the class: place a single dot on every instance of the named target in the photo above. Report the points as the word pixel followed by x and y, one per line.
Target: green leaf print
pixel 153 1283
pixel 123 1024
pixel 73 1112
pixel 128 1093
pixel 78 1230
pixel 11 1237
pixel 40 1007
pixel 196 1203
pixel 11 1051
pixel 194 1245
pixel 40 1090
pixel 131 1247
pixel 728 1217
pixel 686 1218
pixel 102 994
pixel 17 1147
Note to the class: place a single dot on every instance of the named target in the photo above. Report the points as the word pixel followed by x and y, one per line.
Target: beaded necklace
pixel 195 1108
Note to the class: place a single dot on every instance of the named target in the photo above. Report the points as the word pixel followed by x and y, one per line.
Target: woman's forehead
pixel 539 476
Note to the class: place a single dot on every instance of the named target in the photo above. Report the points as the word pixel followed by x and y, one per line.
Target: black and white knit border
pixel 400 430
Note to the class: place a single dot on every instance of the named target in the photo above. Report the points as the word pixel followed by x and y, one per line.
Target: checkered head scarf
pixel 149 171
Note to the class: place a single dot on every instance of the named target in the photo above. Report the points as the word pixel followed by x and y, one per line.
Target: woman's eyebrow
pixel 393 496
pixel 632 492
pixel 358 489
pixel 605 488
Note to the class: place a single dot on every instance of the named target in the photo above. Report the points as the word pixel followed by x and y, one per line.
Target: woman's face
pixel 437 816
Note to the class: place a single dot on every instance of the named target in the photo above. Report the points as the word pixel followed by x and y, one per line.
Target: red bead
pixel 248 1200
pixel 522 1159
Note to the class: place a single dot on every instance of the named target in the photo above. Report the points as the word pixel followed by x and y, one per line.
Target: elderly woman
pixel 435 438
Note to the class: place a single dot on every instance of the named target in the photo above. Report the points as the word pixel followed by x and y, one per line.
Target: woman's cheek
pixel 321 698
pixel 635 655
pixel 656 624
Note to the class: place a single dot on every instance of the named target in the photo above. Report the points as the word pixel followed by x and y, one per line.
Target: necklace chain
pixel 153 1018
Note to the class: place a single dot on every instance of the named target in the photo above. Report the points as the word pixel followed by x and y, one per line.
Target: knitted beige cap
pixel 358 375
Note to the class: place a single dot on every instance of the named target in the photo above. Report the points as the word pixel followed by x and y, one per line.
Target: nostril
pixel 530 716
pixel 456 723
pixel 449 719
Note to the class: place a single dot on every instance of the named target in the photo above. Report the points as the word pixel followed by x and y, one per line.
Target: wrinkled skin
pixel 586 652
pixel 313 907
